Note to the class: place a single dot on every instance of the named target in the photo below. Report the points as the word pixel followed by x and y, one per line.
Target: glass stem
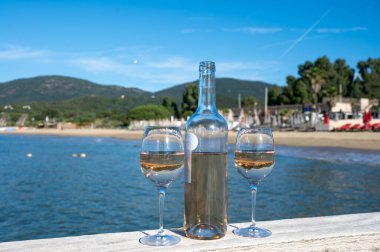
pixel 253 191
pixel 161 200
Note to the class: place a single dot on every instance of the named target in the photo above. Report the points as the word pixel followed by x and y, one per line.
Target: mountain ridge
pixel 50 88
pixel 58 88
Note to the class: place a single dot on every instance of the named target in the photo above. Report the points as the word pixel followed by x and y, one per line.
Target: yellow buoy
pixel 75 155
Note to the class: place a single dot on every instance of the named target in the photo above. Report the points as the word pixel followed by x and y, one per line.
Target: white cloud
pixel 102 64
pixel 332 30
pixel 245 69
pixel 153 70
pixel 171 62
pixel 229 66
pixel 254 30
pixel 172 70
pixel 341 30
pixel 160 72
pixel 15 53
pixel 290 41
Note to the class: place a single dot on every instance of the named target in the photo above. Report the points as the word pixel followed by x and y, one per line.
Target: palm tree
pixel 330 92
pixel 317 80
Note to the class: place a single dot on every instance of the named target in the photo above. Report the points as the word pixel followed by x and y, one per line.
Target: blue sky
pixel 156 44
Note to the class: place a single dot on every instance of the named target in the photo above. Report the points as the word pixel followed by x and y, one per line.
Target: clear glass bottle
pixel 205 215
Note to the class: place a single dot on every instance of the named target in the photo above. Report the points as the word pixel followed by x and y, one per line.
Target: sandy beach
pixel 354 140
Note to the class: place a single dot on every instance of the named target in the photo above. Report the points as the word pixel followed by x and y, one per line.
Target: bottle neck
pixel 206 99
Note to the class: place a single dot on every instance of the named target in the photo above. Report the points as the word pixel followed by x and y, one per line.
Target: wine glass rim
pixel 172 130
pixel 255 130
pixel 162 127
pixel 260 129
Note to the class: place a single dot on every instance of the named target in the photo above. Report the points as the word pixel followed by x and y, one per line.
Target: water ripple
pixel 52 194
pixel 333 155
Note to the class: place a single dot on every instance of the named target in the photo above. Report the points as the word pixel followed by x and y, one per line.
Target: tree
pixel 273 95
pixel 84 119
pixel 287 96
pixel 248 102
pixel 189 100
pixel 283 98
pixel 344 76
pixel 330 92
pixel 317 80
pixel 170 105
pixel 296 91
pixel 51 113
pixel 302 69
pixel 301 92
pixel 369 72
pixel 148 112
pixel 356 89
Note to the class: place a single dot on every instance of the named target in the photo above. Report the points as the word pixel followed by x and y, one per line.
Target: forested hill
pixel 61 88
pixel 227 91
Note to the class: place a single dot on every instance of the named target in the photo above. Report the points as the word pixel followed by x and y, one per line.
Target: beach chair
pixel 366 127
pixel 355 127
pixel 344 127
pixel 376 127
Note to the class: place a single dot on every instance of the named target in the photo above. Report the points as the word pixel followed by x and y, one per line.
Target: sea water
pixel 55 191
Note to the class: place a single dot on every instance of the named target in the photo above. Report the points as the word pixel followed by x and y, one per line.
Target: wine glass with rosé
pixel 161 161
pixel 254 160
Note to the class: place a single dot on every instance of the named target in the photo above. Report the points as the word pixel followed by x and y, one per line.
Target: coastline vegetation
pixel 323 78
pixel 315 80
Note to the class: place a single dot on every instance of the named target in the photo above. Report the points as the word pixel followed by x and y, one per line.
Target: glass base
pixel 253 232
pixel 160 240
pixel 204 232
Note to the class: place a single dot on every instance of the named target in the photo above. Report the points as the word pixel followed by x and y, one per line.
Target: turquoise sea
pixel 52 194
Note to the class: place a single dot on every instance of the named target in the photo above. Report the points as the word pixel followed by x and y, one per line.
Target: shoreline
pixel 351 140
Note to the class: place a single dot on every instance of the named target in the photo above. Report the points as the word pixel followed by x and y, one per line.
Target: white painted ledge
pixel 353 232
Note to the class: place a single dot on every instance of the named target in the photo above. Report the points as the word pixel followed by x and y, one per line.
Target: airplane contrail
pixel 311 28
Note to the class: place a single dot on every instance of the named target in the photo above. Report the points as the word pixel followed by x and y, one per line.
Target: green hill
pixel 59 88
pixel 76 100
pixel 227 91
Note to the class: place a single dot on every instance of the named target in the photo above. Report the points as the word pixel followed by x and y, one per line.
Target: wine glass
pixel 254 160
pixel 161 161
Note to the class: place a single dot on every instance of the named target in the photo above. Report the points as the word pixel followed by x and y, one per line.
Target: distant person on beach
pixel 326 118
pixel 367 117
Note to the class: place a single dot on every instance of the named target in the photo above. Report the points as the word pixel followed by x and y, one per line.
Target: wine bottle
pixel 205 180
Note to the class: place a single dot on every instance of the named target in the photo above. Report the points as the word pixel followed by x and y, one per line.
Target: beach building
pixel 329 115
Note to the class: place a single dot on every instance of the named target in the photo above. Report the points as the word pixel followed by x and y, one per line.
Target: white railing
pixel 353 232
